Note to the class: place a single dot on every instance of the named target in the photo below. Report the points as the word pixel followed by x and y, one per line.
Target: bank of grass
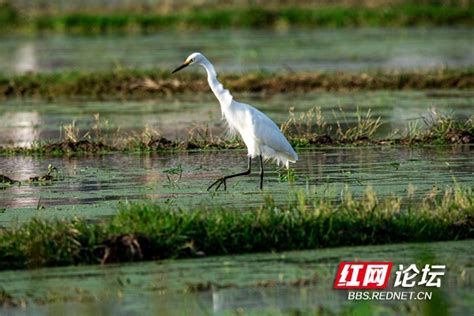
pixel 405 14
pixel 303 130
pixel 140 84
pixel 158 231
pixel 310 128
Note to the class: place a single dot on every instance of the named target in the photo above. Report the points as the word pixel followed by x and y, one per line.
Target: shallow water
pixel 244 50
pixel 23 122
pixel 91 186
pixel 256 284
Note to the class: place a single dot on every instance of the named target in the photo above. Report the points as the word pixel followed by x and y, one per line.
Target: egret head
pixel 194 58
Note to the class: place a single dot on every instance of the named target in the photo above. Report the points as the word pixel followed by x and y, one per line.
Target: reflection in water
pixel 20 196
pixel 91 186
pixel 253 50
pixel 25 59
pixel 21 128
pixel 413 61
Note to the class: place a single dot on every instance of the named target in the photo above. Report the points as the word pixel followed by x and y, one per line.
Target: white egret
pixel 260 134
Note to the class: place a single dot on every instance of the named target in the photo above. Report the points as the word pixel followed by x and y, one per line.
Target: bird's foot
pixel 218 182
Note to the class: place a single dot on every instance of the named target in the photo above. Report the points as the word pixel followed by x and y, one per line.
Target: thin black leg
pixel 261 172
pixel 222 180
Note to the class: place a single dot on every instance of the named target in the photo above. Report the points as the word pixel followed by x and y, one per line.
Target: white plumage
pixel 260 134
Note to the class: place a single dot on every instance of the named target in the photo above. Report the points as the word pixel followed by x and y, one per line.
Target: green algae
pixel 253 283
pixel 90 186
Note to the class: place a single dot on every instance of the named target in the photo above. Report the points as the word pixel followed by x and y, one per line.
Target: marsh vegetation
pixel 153 231
pixel 253 16
pixel 126 84
pixel 304 130
pixel 105 157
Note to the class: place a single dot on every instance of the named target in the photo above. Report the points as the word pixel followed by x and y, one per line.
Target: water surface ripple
pixel 91 186
pixel 246 50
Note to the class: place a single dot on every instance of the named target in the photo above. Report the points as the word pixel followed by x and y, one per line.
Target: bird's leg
pixel 222 180
pixel 261 172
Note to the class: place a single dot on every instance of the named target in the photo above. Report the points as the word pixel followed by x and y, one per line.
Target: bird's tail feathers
pixel 281 158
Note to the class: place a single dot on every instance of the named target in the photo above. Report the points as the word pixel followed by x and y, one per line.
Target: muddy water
pixel 256 284
pixel 244 50
pixel 91 186
pixel 23 122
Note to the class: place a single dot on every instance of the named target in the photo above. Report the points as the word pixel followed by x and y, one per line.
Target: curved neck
pixel 222 94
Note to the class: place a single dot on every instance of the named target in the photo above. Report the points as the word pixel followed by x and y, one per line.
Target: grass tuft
pixel 364 129
pixel 444 129
pixel 310 128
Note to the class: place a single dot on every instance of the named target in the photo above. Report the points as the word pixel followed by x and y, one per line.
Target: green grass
pixel 139 84
pixel 158 231
pixel 237 17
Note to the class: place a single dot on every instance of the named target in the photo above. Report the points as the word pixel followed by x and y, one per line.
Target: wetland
pixel 105 159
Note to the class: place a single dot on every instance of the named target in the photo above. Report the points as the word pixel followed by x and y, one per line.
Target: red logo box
pixel 362 275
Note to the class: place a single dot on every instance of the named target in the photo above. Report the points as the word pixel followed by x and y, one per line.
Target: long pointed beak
pixel 180 67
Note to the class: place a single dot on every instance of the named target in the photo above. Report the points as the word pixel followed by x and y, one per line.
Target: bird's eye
pixel 192 60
